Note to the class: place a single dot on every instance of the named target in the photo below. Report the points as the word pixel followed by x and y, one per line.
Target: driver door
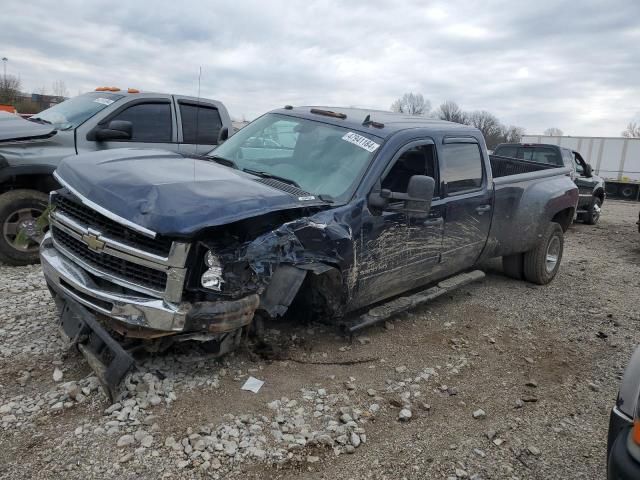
pixel 400 250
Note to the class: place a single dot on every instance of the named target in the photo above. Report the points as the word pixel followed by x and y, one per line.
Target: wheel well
pixel 319 297
pixel 41 182
pixel 564 218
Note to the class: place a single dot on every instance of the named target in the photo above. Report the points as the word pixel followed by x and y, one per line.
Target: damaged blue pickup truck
pixel 316 211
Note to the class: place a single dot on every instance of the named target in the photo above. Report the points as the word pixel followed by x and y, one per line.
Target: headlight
pixel 212 277
pixel 211 260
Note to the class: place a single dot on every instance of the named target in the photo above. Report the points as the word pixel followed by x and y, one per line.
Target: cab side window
pixel 151 122
pixel 200 125
pixel 462 170
pixel 419 160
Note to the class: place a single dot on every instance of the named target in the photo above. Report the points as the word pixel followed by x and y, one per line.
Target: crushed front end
pixel 112 279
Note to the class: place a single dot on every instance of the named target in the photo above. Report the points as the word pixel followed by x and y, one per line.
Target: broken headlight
pixel 212 277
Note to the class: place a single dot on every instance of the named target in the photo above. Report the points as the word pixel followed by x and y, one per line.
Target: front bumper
pixel 136 315
pixel 621 465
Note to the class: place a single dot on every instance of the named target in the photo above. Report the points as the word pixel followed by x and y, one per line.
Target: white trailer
pixel 616 159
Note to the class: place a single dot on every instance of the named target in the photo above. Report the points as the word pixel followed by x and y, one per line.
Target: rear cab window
pixel 545 155
pixel 461 168
pixel 507 151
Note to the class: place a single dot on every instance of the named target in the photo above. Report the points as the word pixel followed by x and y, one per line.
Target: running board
pixel 402 304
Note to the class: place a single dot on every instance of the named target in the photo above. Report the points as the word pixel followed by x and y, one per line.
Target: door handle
pixel 482 209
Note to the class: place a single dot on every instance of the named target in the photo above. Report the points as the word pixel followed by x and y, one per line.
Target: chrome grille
pixel 87 216
pixel 119 267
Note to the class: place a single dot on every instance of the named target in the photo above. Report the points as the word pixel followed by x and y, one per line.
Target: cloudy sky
pixel 535 64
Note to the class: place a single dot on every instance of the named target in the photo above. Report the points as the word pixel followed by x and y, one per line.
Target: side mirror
pixel 416 200
pixel 223 134
pixel 420 192
pixel 588 171
pixel 116 130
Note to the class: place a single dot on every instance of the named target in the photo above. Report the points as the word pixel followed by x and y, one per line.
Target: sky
pixel 565 64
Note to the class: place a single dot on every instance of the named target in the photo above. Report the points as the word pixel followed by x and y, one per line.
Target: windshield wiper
pixel 259 173
pixel 222 161
pixel 39 120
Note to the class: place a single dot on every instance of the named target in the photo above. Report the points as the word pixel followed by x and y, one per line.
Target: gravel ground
pixel 502 379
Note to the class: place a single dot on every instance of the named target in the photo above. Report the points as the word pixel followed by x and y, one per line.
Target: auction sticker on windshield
pixel 104 101
pixel 362 142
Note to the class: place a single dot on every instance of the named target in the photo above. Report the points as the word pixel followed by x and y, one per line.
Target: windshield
pixel 322 159
pixel 73 112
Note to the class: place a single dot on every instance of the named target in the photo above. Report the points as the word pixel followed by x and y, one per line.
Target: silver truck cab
pixel 30 150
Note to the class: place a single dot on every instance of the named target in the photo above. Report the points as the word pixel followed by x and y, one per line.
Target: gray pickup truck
pixel 311 210
pixel 591 188
pixel 30 150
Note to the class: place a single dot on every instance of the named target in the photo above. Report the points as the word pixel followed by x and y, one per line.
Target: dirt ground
pixel 543 365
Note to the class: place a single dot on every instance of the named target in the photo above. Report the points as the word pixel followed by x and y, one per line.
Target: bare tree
pixel 451 112
pixel 632 130
pixel 512 134
pixel 59 89
pixel 411 103
pixel 553 132
pixel 9 89
pixel 41 90
pixel 489 125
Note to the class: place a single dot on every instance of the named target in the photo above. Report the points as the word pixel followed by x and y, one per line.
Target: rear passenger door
pixel 468 202
pixel 200 125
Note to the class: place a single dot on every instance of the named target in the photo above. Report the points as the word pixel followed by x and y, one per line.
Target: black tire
pixel 593 215
pixel 513 266
pixel 16 208
pixel 538 267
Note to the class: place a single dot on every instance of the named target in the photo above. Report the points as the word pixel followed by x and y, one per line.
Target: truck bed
pixel 507 166
pixel 526 198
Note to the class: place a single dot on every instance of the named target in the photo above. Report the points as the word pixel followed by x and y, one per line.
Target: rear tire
pixel 18 211
pixel 513 266
pixel 542 263
pixel 593 215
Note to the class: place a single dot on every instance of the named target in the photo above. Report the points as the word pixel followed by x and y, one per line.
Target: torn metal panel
pixel 282 289
pixel 107 358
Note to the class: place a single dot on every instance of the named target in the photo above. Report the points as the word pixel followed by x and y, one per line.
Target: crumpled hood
pixel 171 194
pixel 14 127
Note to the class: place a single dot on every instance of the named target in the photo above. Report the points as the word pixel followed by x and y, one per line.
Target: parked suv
pixel 590 186
pixel 30 150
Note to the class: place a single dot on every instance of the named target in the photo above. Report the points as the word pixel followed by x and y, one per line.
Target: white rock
pixel 404 415
pixel 479 413
pixel 57 375
pixel 125 440
pixel 533 450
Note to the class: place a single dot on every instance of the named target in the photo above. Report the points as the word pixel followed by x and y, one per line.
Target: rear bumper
pixel 136 315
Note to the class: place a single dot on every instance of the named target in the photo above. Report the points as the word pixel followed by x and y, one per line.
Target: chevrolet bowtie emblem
pixel 93 242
